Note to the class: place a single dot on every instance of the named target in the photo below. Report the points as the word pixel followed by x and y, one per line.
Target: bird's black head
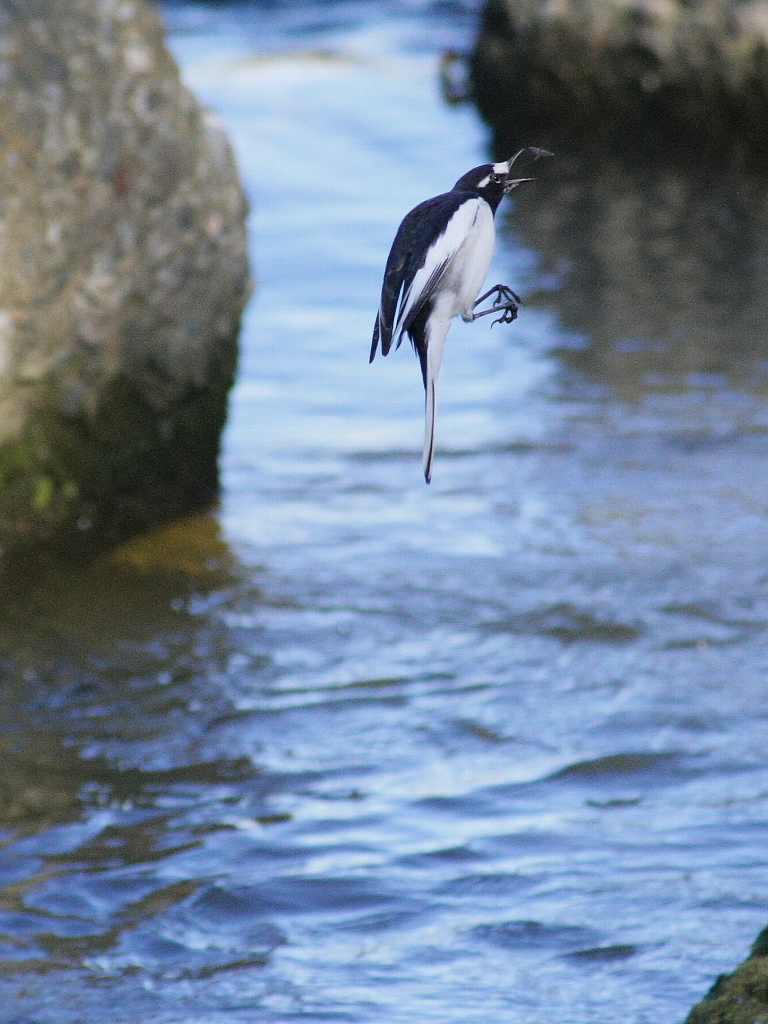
pixel 494 181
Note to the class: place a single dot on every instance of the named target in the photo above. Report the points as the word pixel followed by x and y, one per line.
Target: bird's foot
pixel 506 304
pixel 508 315
pixel 503 293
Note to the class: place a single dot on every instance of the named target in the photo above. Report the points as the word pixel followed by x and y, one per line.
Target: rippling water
pixel 355 749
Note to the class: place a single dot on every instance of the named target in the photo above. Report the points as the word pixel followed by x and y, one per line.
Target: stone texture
pixel 741 997
pixel 689 73
pixel 123 273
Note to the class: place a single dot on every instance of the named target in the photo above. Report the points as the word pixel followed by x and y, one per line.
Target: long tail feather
pixel 436 331
pixel 429 428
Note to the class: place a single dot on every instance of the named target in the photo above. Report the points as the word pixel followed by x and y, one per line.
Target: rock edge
pixel 692 74
pixel 123 275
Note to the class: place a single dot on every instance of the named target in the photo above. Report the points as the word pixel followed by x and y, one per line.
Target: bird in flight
pixel 435 270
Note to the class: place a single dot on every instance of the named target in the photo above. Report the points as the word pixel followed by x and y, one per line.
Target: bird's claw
pixel 505 294
pixel 509 314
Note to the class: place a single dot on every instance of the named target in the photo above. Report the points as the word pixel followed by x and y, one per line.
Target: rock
pixel 123 274
pixel 682 73
pixel 741 997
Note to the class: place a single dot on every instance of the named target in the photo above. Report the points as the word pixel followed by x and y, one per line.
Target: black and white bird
pixel 435 270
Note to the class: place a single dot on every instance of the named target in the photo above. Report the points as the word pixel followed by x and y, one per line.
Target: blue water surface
pixel 355 749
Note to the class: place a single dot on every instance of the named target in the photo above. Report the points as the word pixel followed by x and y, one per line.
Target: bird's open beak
pixel 513 183
pixel 535 152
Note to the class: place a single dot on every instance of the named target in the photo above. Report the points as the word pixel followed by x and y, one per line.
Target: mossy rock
pixel 123 274
pixel 741 997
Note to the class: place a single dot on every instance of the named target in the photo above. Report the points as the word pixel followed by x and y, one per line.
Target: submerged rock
pixel 688 73
pixel 123 274
pixel 741 997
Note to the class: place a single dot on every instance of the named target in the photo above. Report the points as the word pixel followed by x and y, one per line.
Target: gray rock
pixel 123 274
pixel 692 72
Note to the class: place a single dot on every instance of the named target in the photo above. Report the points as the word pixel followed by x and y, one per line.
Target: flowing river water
pixel 354 749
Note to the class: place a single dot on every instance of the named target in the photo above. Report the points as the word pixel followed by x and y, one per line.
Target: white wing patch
pixel 439 255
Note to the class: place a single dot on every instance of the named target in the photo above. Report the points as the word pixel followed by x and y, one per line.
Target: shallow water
pixel 355 749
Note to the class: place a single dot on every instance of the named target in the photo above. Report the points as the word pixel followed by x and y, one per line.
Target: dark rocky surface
pixel 123 273
pixel 741 997
pixel 685 75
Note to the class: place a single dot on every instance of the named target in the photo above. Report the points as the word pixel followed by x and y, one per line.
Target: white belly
pixel 467 270
pixel 458 289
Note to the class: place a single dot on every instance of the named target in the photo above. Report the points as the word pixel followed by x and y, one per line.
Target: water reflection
pixel 660 270
pixel 104 702
pixel 40 780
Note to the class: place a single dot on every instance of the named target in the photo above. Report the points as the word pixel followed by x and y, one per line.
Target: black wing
pixel 415 237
